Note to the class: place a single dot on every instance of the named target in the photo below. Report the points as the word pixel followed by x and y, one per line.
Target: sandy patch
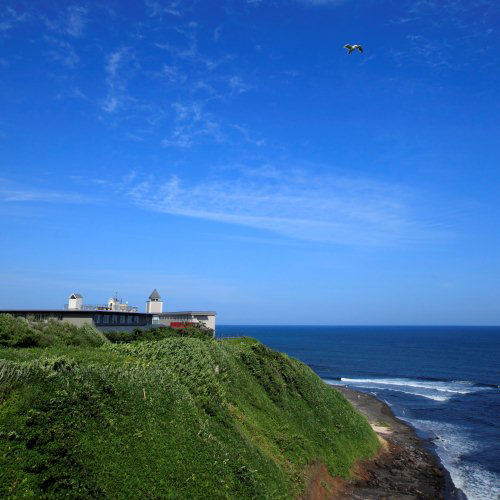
pixel 379 429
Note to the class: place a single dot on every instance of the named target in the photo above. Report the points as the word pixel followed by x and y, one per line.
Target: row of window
pixel 42 316
pixel 177 317
pixel 116 319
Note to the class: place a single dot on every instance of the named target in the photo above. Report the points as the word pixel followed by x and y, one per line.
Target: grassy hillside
pixel 18 332
pixel 177 418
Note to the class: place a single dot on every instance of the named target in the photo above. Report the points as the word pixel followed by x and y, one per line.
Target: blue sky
pixel 233 156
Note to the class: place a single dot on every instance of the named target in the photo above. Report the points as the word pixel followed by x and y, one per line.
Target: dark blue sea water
pixel 443 380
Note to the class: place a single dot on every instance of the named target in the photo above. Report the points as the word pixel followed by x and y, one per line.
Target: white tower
pixel 75 301
pixel 154 305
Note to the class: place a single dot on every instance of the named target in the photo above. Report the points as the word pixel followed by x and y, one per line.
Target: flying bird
pixel 352 48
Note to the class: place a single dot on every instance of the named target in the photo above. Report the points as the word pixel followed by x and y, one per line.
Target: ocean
pixel 444 381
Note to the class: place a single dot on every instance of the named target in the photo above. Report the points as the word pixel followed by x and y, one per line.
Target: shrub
pixel 182 417
pixel 15 332
pixel 160 333
pixel 19 332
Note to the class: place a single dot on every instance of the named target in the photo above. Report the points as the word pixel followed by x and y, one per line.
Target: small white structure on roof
pixel 116 304
pixel 75 301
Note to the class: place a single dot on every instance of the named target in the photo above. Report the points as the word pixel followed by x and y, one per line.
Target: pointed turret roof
pixel 154 295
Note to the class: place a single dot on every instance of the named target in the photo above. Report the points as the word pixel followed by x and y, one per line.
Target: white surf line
pixel 451 445
pixel 452 387
pixel 372 386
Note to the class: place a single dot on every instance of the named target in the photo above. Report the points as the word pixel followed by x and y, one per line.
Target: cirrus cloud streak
pixel 328 209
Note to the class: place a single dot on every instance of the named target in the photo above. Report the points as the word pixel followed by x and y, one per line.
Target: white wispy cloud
pixel 62 52
pixel 433 54
pixel 453 8
pixel 70 21
pixel 247 135
pixel 322 2
pixel 192 122
pixel 189 50
pixel 447 34
pixel 238 85
pixel 469 16
pixel 184 87
pixel 10 17
pixel 172 74
pixel 327 209
pixel 76 20
pixel 158 9
pixel 120 65
pixel 73 93
pixel 305 2
pixel 11 193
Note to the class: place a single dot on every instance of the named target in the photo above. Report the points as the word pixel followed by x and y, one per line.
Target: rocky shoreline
pixel 405 468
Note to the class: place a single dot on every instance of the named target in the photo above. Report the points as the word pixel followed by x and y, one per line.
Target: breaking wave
pixel 437 390
pixel 452 445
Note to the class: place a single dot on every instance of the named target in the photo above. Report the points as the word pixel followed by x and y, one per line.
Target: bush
pixel 160 333
pixel 15 332
pixel 183 417
pixel 19 332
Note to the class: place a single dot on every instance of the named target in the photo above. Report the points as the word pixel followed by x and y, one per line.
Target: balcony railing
pixel 102 307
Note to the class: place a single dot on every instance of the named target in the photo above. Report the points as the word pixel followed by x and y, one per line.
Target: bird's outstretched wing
pixel 359 48
pixel 347 46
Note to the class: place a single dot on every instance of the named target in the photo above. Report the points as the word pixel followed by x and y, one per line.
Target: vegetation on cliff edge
pixel 180 417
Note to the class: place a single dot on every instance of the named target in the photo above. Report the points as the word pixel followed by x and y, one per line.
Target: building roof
pixel 154 295
pixel 76 296
pixel 76 312
pixel 70 312
pixel 175 313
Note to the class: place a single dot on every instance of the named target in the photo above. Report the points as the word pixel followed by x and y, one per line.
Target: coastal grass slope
pixel 179 418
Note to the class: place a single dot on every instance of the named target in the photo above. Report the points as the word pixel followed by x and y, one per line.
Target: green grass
pixel 19 332
pixel 175 418
pixel 158 333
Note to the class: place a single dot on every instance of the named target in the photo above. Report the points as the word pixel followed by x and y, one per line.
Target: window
pixel 123 318
pixel 105 318
pixel 114 319
pixel 97 319
pixel 136 320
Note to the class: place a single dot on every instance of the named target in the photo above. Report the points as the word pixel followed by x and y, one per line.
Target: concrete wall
pixel 79 320
pixel 207 319
pixel 154 306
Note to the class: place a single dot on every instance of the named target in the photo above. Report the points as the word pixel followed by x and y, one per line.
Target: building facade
pixel 118 316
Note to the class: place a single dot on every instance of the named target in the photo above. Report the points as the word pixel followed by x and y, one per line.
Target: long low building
pixel 117 316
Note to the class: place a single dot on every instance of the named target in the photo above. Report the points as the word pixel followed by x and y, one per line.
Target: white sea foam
pixel 436 390
pixel 428 395
pixel 453 387
pixel 452 441
pixel 452 445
